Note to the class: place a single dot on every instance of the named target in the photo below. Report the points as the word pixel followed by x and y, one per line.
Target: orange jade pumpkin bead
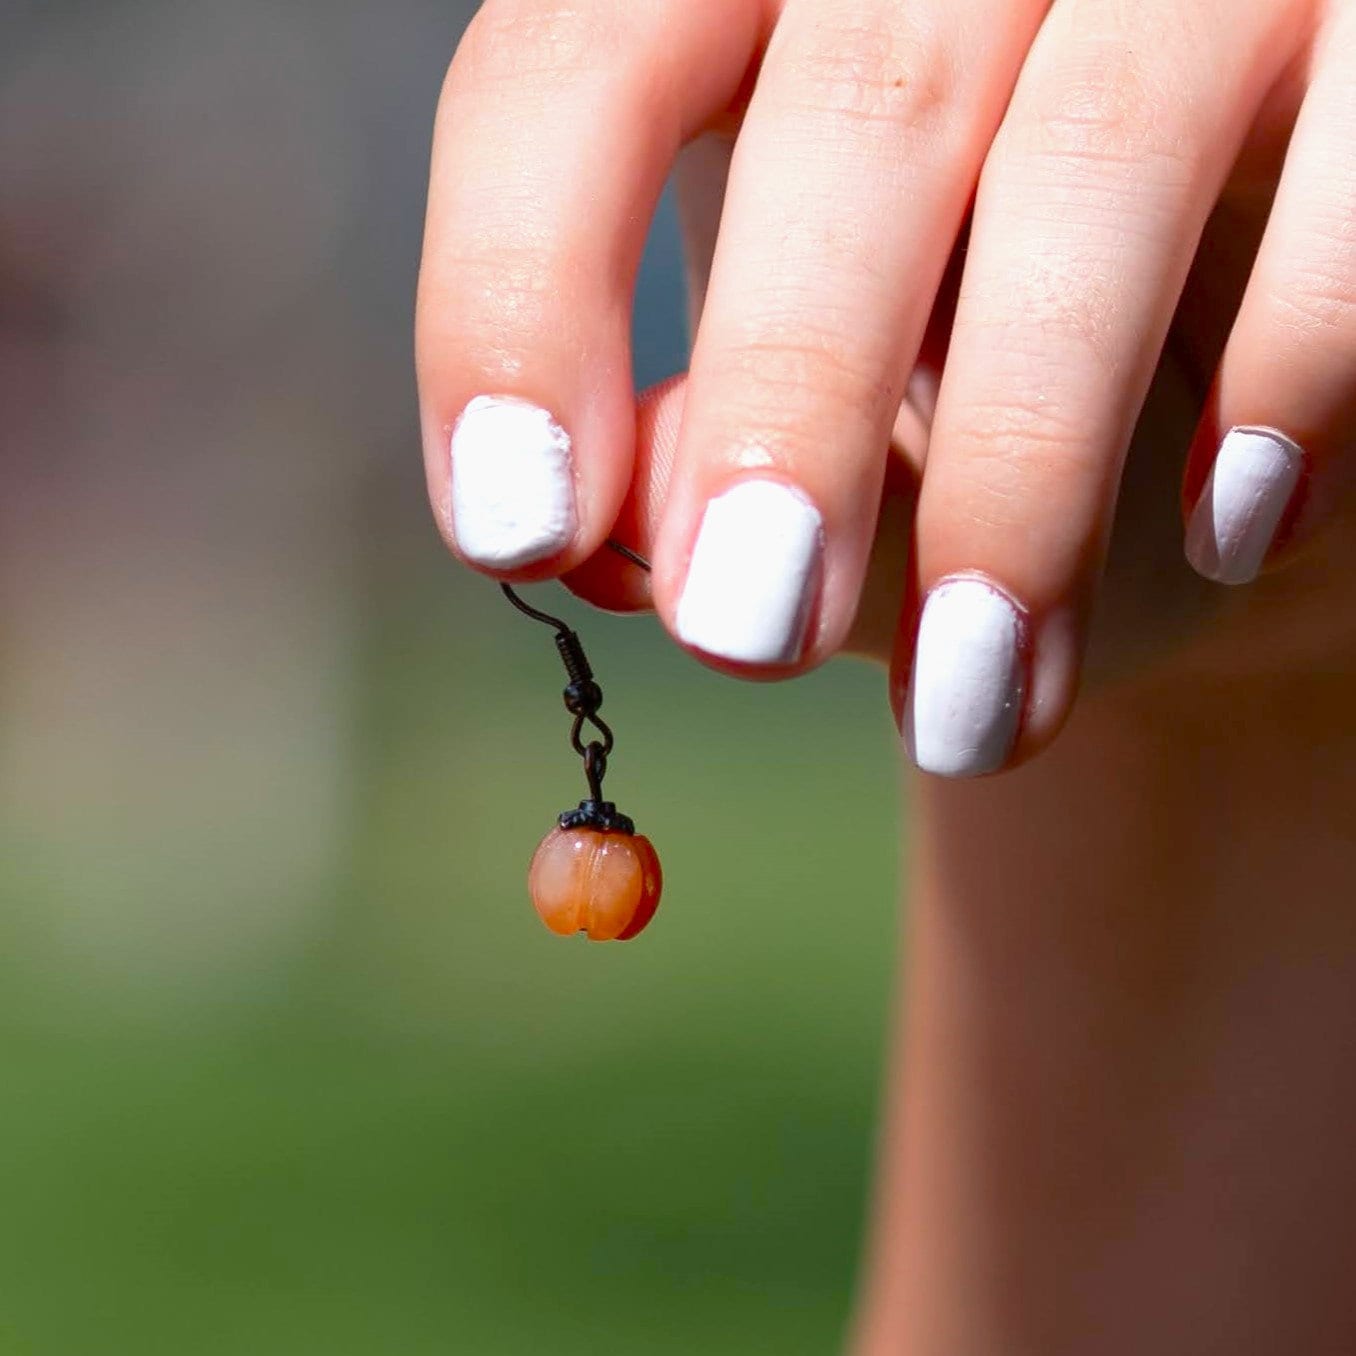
pixel 601 882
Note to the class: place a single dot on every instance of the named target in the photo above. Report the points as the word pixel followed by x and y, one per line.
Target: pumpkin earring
pixel 593 873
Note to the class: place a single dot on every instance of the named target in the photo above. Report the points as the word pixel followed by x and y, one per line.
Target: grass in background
pixel 454 1132
pixel 435 1128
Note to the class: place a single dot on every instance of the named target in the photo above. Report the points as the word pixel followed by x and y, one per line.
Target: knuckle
pixel 880 72
pixel 773 380
pixel 1017 438
pixel 1314 282
pixel 1104 111
pixel 1056 317
pixel 1317 297
pixel 494 308
pixel 535 38
pixel 1013 452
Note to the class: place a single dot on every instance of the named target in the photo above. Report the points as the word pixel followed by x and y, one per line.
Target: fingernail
pixel 965 696
pixel 512 483
pixel 1246 494
pixel 752 578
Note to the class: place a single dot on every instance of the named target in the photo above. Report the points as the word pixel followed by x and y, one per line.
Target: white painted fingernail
pixel 965 696
pixel 512 483
pixel 753 575
pixel 1245 497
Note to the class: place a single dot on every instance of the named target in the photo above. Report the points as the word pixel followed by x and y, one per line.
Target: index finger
pixel 556 130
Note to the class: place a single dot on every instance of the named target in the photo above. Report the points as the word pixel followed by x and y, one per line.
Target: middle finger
pixel 850 179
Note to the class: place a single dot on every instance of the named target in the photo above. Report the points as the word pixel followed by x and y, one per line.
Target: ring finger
pixel 1095 194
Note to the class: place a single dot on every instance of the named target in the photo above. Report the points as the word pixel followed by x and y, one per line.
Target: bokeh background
pixel 287 1065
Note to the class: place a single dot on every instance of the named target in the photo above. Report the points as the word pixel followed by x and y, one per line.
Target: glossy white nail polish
pixel 1245 497
pixel 965 696
pixel 512 483
pixel 753 575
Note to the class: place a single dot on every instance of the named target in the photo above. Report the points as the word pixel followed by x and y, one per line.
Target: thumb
pixel 607 579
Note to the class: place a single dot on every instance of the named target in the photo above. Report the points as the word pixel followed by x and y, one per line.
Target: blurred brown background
pixel 288 1065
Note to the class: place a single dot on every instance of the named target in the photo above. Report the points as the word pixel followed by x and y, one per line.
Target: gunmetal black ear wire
pixel 593 873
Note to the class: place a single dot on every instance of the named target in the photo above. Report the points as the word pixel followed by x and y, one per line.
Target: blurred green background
pixel 288 1064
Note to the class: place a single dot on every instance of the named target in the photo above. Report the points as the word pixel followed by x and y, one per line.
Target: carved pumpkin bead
pixel 602 882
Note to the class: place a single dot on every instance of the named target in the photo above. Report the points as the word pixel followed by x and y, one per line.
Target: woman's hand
pixel 1099 144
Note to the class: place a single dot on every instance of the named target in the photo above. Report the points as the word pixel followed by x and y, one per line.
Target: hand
pixel 1096 141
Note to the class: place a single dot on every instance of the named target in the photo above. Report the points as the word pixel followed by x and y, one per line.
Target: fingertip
pixel 979 685
pixel 1246 506
pixel 512 499
pixel 525 487
pixel 751 585
pixel 608 578
pixel 611 582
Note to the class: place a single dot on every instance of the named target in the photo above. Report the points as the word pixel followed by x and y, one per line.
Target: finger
pixel 1093 198
pixel 608 579
pixel 856 162
pixel 1267 459
pixel 556 128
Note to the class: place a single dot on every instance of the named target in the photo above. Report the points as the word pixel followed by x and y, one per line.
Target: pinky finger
pixel 1269 455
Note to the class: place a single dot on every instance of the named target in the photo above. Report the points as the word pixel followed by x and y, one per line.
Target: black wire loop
pixel 595 769
pixel 583 696
pixel 577 735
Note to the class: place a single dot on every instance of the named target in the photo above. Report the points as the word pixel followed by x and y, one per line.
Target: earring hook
pixel 583 697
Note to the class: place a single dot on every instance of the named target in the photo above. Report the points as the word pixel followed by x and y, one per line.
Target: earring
pixel 592 873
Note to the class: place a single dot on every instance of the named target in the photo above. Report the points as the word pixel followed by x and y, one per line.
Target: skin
pixel 1024 284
